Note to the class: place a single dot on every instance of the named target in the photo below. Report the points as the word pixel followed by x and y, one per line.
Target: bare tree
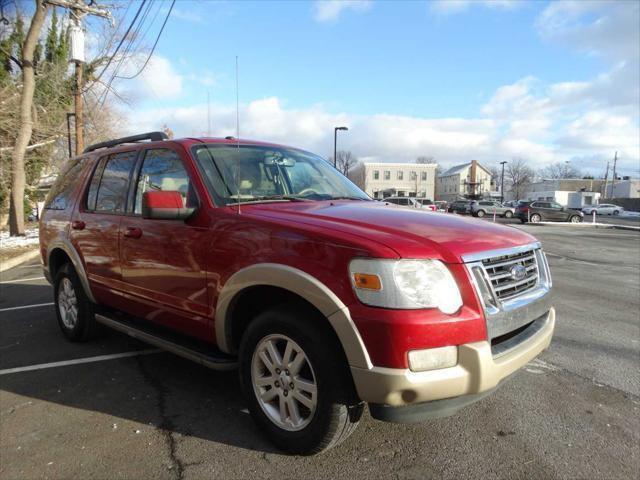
pixel 346 161
pixel 560 170
pixel 16 208
pixel 518 175
pixel 425 159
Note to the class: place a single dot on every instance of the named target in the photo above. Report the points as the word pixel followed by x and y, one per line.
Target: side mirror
pixel 165 205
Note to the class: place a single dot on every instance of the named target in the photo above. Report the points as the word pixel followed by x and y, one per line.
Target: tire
pixel 508 214
pixel 616 212
pixel 522 220
pixel 575 219
pixel 535 218
pixel 74 310
pixel 327 417
pixel 480 213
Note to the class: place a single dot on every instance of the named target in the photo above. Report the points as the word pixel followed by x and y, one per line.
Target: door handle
pixel 78 225
pixel 133 232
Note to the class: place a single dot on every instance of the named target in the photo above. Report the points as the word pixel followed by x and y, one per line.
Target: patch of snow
pixel 30 238
pixel 629 214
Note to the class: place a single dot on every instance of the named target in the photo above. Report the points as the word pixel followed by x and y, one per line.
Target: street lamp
pixel 502 183
pixel 335 143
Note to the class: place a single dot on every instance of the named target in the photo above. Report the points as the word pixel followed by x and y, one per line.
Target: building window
pixel 414 176
pixel 387 175
pixel 423 175
pixel 376 175
pixel 400 174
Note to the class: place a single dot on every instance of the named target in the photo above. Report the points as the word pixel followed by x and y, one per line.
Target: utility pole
pixel 78 10
pixel 502 182
pixel 606 179
pixel 613 180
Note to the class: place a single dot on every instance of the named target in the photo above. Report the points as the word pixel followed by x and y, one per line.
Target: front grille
pixel 504 285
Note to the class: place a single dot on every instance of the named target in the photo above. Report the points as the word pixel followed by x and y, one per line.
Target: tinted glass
pixel 258 173
pixel 59 197
pixel 555 205
pixel 112 191
pixel 162 170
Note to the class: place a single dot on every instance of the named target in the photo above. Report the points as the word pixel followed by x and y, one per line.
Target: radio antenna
pixel 238 135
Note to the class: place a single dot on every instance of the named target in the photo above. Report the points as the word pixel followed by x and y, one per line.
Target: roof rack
pixel 153 136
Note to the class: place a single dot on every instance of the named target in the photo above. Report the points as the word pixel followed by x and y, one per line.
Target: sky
pixel 455 80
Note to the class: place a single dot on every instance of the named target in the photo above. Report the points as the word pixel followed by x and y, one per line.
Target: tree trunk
pixel 16 209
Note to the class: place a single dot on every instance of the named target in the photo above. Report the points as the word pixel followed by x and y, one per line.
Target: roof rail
pixel 153 136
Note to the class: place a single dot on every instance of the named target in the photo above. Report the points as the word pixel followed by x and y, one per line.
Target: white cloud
pixel 330 10
pixel 451 7
pixel 158 79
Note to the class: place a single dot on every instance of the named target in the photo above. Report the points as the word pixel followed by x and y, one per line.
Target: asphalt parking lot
pixel 139 413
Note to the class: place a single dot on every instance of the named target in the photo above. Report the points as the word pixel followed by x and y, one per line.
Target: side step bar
pixel 169 343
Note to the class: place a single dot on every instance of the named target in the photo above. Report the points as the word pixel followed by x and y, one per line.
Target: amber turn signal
pixel 367 280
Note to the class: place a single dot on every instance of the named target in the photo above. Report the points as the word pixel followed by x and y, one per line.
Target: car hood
pixel 411 233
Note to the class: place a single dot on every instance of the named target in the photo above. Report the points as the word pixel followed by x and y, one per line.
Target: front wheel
pixel 535 218
pixel 616 212
pixel 576 219
pixel 508 214
pixel 296 381
pixel 480 213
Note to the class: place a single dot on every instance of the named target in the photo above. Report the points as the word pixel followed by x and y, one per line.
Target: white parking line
pixel 26 306
pixel 64 363
pixel 22 280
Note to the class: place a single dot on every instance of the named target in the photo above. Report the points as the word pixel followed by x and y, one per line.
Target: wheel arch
pixel 268 284
pixel 62 252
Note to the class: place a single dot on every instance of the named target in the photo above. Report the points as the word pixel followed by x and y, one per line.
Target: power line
pixel 154 45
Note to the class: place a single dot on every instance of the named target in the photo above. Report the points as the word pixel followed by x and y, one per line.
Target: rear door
pixel 95 224
pixel 164 261
pixel 558 212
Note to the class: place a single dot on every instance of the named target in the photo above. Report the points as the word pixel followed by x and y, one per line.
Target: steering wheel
pixel 307 192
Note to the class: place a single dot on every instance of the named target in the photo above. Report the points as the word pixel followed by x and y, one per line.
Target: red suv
pixel 263 257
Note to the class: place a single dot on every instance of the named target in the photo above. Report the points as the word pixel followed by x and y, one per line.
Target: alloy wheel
pixel 67 303
pixel 284 382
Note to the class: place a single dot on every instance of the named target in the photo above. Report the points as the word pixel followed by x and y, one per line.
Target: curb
pixel 23 257
pixel 611 226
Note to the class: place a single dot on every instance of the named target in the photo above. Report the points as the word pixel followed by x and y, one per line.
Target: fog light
pixel 433 358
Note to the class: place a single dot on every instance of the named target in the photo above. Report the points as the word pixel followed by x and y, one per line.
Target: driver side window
pixel 162 170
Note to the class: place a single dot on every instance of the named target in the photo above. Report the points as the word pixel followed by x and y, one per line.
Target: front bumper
pixel 479 370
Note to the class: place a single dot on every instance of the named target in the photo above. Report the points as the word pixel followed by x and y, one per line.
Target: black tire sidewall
pixel 322 357
pixel 82 327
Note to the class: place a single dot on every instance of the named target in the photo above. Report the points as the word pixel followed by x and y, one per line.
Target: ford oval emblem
pixel 518 272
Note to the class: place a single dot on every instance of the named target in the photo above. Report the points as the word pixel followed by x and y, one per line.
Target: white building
pixel 382 179
pixel 629 188
pixel 468 180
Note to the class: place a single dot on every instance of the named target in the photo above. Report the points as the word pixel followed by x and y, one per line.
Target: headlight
pixel 405 284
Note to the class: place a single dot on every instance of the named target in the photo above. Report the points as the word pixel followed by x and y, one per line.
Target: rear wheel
pixel 535 218
pixel 508 214
pixel 616 212
pixel 575 219
pixel 296 381
pixel 480 213
pixel 74 310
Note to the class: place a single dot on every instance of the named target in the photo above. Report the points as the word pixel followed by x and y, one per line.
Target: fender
pixel 71 252
pixel 303 285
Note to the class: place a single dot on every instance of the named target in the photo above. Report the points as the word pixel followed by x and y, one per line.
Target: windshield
pixel 250 173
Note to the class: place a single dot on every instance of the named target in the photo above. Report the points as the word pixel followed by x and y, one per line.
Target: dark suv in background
pixel 546 211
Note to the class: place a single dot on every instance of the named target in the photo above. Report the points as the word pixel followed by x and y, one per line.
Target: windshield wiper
pixel 347 197
pixel 268 198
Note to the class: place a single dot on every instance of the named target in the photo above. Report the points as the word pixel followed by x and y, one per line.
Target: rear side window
pixel 162 169
pixel 108 190
pixel 59 197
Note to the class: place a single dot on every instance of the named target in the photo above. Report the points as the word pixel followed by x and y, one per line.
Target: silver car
pixel 487 207
pixel 603 209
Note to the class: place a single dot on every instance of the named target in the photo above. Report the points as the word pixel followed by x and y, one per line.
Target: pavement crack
pixel 166 426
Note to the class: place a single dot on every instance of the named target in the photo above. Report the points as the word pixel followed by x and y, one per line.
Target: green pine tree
pixel 51 43
pixel 62 50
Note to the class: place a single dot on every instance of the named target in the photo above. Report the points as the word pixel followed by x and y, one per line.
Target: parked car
pixel 408 202
pixel 426 203
pixel 546 211
pixel 441 205
pixel 462 207
pixel 261 257
pixel 487 207
pixel 603 209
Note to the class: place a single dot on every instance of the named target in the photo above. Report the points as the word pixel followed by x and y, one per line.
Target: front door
pixel 163 261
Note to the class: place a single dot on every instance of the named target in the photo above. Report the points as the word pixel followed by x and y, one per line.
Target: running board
pixel 183 347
